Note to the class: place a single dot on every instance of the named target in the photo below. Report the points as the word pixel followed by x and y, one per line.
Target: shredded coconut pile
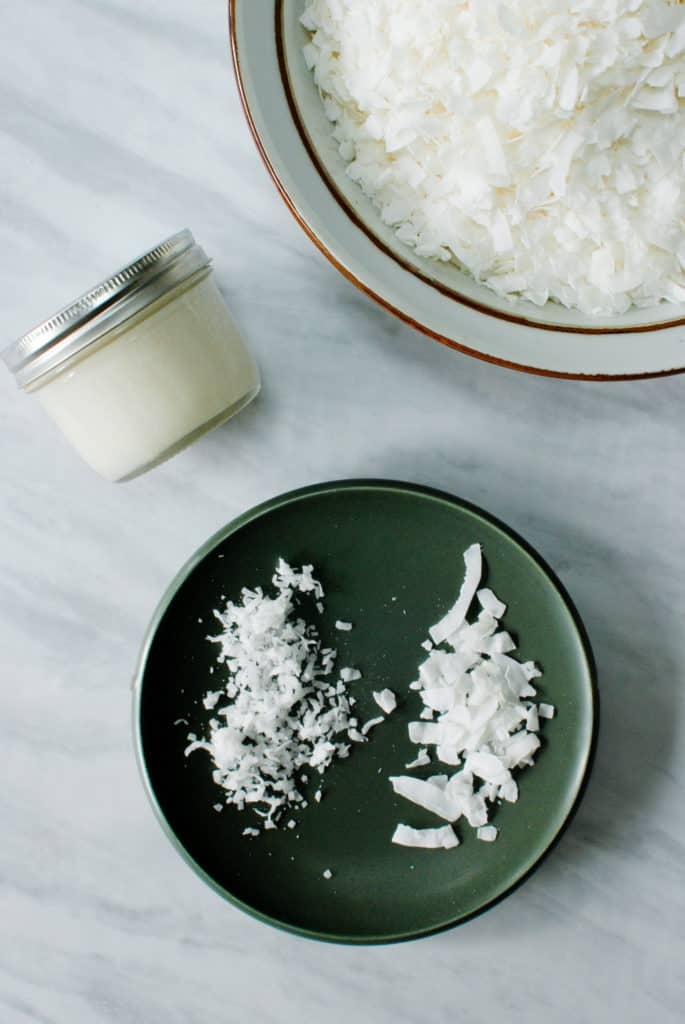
pixel 478 715
pixel 280 712
pixel 539 144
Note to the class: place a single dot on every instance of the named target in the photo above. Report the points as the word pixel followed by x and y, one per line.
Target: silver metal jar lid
pixel 108 305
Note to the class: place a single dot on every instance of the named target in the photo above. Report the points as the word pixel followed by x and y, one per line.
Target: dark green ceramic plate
pixel 370 542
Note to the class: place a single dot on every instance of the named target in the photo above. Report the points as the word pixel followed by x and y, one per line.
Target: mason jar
pixel 141 365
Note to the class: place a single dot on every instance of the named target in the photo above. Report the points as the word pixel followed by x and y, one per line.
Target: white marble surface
pixel 120 124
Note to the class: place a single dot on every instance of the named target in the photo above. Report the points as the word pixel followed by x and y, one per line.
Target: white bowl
pixel 294 137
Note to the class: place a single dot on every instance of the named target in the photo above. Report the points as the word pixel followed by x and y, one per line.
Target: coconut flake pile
pixel 282 711
pixel 478 717
pixel 539 144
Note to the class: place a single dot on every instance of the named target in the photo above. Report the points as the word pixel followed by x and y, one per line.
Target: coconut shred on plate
pixel 281 713
pixel 539 145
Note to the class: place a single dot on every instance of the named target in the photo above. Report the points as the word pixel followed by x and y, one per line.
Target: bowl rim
pixel 450 293
pixel 235 525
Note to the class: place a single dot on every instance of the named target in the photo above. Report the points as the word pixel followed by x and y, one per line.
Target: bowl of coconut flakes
pixel 507 177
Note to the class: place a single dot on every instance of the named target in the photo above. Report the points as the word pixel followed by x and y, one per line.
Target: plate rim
pixel 265 508
pixel 328 252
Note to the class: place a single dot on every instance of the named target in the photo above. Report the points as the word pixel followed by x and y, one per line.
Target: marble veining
pixel 120 124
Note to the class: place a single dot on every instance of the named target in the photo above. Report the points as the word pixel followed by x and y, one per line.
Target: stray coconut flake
pixel 443 838
pixel 490 603
pixel 386 700
pixel 344 627
pixel 456 615
pixel 421 759
pixel 429 794
pixel 487 833
pixel 371 724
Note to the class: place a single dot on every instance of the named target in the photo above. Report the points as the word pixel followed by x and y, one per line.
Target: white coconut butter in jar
pixel 141 365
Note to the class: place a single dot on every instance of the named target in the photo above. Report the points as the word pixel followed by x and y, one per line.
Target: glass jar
pixel 142 365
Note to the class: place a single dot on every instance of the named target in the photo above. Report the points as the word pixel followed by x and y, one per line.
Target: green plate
pixel 389 556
